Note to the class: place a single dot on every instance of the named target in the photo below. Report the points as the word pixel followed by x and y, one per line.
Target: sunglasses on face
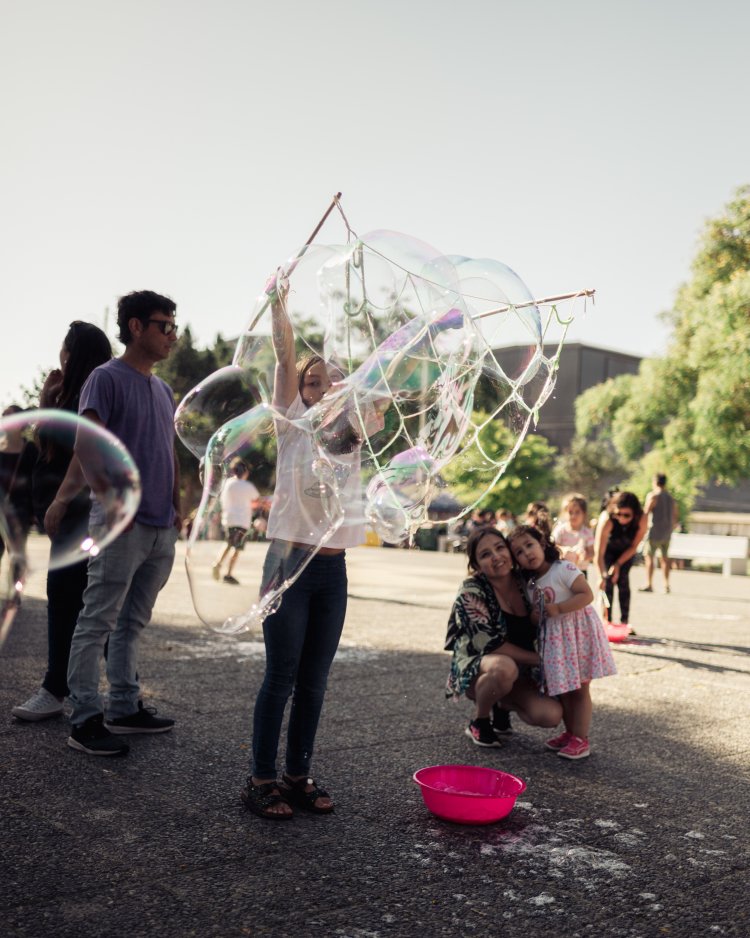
pixel 625 515
pixel 165 326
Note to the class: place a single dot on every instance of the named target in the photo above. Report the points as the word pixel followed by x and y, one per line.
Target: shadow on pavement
pixel 644 838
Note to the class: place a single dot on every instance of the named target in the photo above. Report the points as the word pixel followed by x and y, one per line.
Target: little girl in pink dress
pixel 573 644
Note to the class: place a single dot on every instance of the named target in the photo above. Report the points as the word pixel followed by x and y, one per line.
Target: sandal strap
pixel 299 785
pixel 264 795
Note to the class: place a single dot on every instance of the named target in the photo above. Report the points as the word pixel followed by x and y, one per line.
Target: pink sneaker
pixel 576 748
pixel 558 742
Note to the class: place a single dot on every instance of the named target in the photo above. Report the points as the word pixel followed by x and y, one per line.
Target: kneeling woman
pixel 491 635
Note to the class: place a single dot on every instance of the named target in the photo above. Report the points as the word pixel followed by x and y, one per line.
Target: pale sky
pixel 189 147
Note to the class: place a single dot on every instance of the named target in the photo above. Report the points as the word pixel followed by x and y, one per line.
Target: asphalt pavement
pixel 647 837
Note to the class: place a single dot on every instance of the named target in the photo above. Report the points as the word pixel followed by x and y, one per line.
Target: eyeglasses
pixel 166 326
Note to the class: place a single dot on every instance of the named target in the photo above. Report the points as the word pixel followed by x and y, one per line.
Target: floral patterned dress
pixel 476 627
pixel 574 645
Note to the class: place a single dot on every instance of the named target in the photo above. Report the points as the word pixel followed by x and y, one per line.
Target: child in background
pixel 237 498
pixel 571 533
pixel 504 521
pixel 538 516
pixel 573 645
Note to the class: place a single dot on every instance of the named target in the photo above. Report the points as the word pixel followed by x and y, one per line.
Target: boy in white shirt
pixel 237 499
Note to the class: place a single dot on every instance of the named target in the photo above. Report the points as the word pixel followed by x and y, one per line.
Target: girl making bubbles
pixel 574 647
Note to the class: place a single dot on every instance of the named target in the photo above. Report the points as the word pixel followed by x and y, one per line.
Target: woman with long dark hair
pixel 617 540
pixel 84 348
pixel 492 637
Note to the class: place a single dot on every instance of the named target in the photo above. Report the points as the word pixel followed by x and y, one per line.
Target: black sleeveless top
pixel 620 539
pixel 520 632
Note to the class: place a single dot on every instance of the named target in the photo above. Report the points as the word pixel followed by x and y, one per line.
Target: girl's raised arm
pixel 285 376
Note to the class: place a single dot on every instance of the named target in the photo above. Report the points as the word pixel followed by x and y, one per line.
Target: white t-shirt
pixel 237 497
pixel 564 536
pixel 556 583
pixel 298 511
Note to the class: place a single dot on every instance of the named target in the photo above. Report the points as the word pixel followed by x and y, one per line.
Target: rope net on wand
pixel 439 367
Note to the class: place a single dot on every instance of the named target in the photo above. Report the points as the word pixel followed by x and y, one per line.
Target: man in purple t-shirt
pixel 123 581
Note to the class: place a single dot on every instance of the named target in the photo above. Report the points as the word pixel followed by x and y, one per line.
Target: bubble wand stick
pixel 543 302
pixel 334 204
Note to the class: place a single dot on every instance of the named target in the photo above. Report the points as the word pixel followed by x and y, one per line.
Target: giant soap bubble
pixel 110 472
pixel 247 437
pixel 424 352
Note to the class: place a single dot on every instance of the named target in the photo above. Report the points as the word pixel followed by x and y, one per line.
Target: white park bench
pixel 730 549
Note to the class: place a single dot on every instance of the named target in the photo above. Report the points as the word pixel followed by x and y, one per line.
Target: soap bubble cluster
pixel 424 351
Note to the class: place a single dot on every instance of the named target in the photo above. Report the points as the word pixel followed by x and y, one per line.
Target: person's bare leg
pixel 649 571
pixel 577 710
pixel 232 561
pixel 665 567
pixel 222 557
pixel 533 708
pixel 497 674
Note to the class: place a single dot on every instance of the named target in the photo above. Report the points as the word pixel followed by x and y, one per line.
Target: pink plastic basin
pixel 616 631
pixel 468 794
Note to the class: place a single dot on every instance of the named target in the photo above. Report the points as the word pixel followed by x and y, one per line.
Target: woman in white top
pixel 302 636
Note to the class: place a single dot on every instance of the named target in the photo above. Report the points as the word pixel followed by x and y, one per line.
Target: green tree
pixel 29 394
pixel 529 474
pixel 688 413
pixel 186 367
pixel 725 246
pixel 590 467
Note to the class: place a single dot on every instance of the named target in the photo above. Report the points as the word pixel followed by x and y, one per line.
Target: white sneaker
pixel 40 706
pixel 216 571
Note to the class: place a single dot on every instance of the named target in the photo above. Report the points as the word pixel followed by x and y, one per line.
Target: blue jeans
pixel 123 583
pixel 301 639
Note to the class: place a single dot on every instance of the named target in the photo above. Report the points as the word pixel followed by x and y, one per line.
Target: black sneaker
pixel 144 720
pixel 481 734
pixel 92 737
pixel 501 721
pixel 230 579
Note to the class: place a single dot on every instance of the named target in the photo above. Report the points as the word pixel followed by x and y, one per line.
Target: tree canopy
pixel 529 475
pixel 186 367
pixel 688 414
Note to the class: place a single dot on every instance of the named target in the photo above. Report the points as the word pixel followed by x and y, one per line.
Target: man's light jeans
pixel 123 583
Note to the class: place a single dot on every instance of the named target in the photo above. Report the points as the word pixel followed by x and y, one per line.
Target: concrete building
pixel 581 367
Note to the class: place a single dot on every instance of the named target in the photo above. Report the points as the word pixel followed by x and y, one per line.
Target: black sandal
pixel 294 792
pixel 259 798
